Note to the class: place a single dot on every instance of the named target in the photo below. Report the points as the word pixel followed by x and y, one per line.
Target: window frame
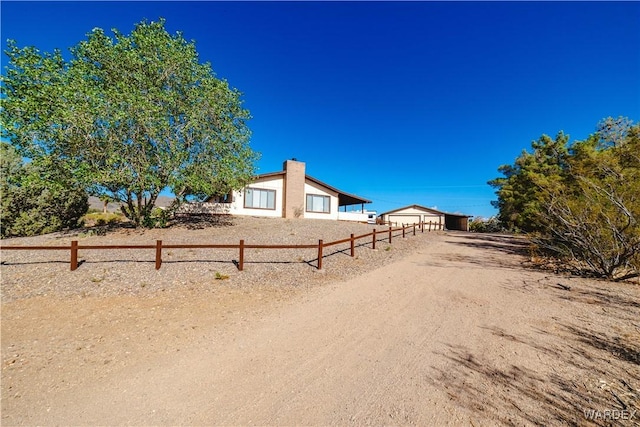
pixel 255 189
pixel 327 203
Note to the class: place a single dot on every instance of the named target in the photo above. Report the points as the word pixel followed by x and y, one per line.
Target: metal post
pixel 241 256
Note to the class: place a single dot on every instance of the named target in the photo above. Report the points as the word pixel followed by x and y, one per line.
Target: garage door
pixel 404 219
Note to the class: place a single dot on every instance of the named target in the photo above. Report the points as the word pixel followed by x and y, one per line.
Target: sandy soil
pixel 459 332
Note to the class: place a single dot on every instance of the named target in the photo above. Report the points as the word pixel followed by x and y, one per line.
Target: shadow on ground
pixel 590 363
pixel 501 243
pixel 496 251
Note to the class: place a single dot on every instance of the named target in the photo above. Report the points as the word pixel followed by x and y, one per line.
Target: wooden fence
pixel 376 235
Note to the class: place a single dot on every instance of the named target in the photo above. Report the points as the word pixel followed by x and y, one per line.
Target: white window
pixel 317 203
pixel 258 198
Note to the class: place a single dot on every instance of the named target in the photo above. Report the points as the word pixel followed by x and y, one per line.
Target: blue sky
pixel 398 102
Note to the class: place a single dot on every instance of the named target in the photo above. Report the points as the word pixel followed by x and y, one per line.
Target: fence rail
pixel 386 234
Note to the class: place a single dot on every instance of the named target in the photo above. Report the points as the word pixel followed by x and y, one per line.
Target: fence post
pixel 422 226
pixel 353 248
pixel 158 254
pixel 403 232
pixel 320 254
pixel 74 254
pixel 390 234
pixel 374 239
pixel 241 256
pixel 414 228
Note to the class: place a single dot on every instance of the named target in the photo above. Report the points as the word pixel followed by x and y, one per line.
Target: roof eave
pixel 344 199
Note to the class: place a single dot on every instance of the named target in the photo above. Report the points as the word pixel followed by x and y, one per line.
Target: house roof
pixel 459 215
pixel 269 175
pixel 344 199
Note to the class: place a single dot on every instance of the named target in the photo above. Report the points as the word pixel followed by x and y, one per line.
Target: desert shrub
pixel 593 220
pixel 579 202
pixel 159 218
pixel 488 225
pixel 102 219
pixel 36 209
pixel 33 202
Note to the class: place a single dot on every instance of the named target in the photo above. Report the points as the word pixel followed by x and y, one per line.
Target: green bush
pixel 35 198
pixel 482 225
pixel 159 218
pixel 579 202
pixel 101 219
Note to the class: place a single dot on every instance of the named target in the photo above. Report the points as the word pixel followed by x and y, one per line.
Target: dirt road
pixel 458 333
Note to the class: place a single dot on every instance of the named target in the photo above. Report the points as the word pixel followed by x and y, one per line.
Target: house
pixel 417 214
pixel 289 193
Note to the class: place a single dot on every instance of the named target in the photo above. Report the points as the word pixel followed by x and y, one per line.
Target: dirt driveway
pixel 457 333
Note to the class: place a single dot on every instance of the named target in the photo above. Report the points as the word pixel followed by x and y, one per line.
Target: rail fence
pixel 377 235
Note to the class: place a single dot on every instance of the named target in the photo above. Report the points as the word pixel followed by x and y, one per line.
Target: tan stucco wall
pixel 277 184
pixel 312 188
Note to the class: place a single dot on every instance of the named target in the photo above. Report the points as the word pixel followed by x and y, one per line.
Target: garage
pixel 417 214
pixel 414 214
pixel 404 219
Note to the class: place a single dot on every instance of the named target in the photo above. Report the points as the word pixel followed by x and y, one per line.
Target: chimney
pixel 294 178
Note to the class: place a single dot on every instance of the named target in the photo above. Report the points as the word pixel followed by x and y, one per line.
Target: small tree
pixel 581 202
pixel 594 218
pixel 520 190
pixel 129 116
pixel 35 199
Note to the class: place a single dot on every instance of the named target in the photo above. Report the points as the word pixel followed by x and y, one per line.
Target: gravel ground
pixel 27 274
pixel 454 330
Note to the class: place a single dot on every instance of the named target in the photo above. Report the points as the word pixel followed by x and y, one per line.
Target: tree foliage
pixel 520 191
pixel 584 207
pixel 35 199
pixel 130 116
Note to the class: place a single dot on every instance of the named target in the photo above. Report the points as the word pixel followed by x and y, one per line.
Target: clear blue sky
pixel 398 102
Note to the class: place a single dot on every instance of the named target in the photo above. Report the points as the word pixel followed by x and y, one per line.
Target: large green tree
pixel 129 115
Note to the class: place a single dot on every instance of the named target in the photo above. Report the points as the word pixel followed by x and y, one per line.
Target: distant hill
pixel 95 203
